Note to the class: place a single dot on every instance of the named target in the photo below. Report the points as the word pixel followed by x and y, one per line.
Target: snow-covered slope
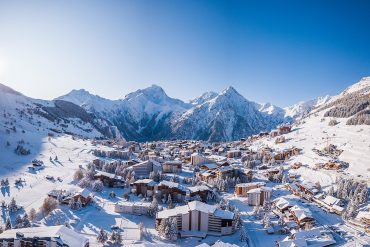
pixel 58 116
pixel 314 131
pixel 363 87
pixel 203 98
pixel 88 101
pixel 304 107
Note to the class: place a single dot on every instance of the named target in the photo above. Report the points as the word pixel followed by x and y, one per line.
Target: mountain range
pixel 150 114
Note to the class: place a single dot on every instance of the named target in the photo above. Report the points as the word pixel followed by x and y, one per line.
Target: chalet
pixel 332 165
pixel 145 187
pixel 176 190
pixel 217 158
pixel 197 217
pixel 281 205
pixel 296 165
pixel 292 187
pixel 242 189
pixel 301 215
pixel 284 129
pixel 173 166
pixel 274 133
pixel 258 196
pixel 110 179
pixel 199 190
pixel 143 169
pixel 226 172
pixel 248 174
pixel 308 189
pixel 136 208
pixel 82 195
pixel 271 172
pixel 234 154
pixel 313 237
pixel 48 236
pixel 207 175
pixel 279 157
pixel 198 159
pixel 364 218
pixel 280 139
pixel 208 166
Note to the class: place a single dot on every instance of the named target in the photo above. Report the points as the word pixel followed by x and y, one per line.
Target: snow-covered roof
pixel 109 175
pixel 84 192
pixel 331 200
pixel 173 212
pixel 68 236
pixel 283 203
pixel 223 214
pixel 225 168
pixel 198 206
pixel 198 188
pixel 300 212
pixel 259 190
pixel 172 185
pixel 253 184
pixel 364 215
pixel 130 203
pixel 293 243
pixel 312 233
pixel 148 181
pixel 202 207
pixel 209 165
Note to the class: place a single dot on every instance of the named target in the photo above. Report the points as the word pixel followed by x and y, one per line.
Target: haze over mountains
pixel 150 114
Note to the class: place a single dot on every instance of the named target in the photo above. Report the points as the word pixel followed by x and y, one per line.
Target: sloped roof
pixel 68 236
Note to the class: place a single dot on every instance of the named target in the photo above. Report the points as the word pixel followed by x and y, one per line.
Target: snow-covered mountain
pixel 141 115
pixel 150 114
pixel 228 116
pixel 44 117
pixel 304 107
pixel 203 98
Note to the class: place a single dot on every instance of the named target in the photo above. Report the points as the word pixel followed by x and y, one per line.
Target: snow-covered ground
pixel 314 133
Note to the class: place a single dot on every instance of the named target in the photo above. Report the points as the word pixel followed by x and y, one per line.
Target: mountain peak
pixel 203 98
pixel 363 84
pixel 230 90
pixel 153 92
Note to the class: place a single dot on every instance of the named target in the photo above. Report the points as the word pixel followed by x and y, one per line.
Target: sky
pixel 270 51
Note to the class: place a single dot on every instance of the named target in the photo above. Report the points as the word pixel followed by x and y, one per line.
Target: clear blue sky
pixel 270 51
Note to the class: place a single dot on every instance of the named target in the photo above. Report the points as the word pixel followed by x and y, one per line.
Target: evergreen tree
pixel 162 227
pixel 173 231
pixel 8 224
pixel 18 221
pixel 169 202
pixel 12 207
pixel 153 208
pixel 116 237
pixel 243 235
pixel 26 221
pixel 102 236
